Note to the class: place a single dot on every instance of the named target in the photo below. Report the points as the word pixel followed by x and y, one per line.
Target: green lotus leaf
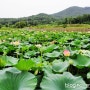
pixel 13 79
pixel 65 81
pixel 54 54
pixel 25 47
pixel 88 75
pixel 30 54
pixel 60 66
pixel 2 63
pixel 50 48
pixel 76 42
pixel 81 61
pixel 8 61
pixel 25 65
pixel 47 70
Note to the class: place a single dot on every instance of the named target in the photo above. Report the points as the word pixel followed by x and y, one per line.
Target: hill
pixel 72 12
pixel 43 18
pixel 31 20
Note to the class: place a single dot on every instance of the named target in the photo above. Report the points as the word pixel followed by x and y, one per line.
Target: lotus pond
pixel 44 60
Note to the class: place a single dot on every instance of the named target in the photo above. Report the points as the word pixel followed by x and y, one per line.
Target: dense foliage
pixel 42 60
pixel 43 19
pixel 85 19
pixel 28 21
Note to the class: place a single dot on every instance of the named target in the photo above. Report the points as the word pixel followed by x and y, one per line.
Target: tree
pixel 20 24
pixel 0 26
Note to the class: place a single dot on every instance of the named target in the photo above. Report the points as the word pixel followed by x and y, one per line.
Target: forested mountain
pixel 70 15
pixel 40 19
pixel 31 20
pixel 72 12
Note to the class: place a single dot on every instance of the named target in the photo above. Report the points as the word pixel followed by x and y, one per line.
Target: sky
pixel 24 8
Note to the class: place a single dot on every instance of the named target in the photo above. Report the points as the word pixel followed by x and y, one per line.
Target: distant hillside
pixel 72 12
pixel 32 20
pixel 43 18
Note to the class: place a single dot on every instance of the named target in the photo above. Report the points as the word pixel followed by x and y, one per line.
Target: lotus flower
pixel 66 53
pixel 38 45
pixel 15 43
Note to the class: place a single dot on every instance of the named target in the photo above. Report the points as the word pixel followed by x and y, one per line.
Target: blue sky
pixel 22 8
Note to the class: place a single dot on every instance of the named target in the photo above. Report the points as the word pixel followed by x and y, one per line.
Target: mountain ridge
pixel 72 12
pixel 43 18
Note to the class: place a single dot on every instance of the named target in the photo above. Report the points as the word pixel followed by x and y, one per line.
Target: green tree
pixel 0 26
pixel 20 24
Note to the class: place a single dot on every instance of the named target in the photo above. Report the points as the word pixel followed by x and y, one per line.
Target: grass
pixel 69 28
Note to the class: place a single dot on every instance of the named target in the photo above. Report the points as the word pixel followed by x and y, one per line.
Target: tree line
pixel 42 19
pixel 85 19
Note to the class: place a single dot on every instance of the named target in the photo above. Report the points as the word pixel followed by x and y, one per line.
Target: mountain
pixel 32 20
pixel 43 18
pixel 72 12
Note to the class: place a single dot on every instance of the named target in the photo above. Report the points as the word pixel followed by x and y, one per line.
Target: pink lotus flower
pixel 66 53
